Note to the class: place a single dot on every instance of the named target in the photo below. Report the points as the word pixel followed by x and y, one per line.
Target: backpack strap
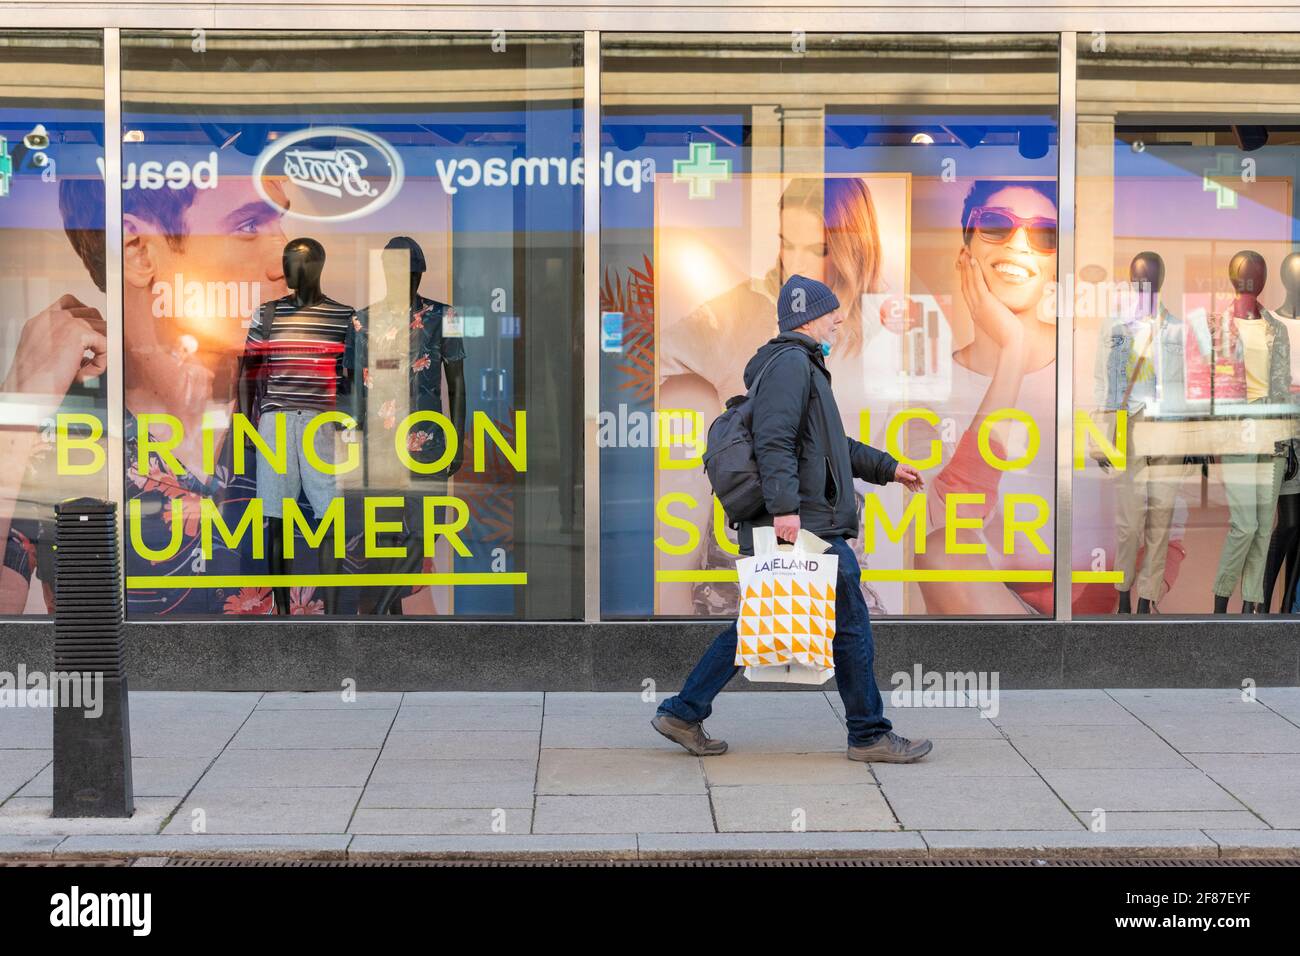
pixel 768 364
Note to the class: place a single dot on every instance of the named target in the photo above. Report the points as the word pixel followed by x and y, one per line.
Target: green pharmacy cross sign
pixel 701 171
pixel 1216 180
pixel 6 167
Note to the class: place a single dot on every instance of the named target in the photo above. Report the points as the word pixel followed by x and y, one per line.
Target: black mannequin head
pixel 404 267
pixel 1291 282
pixel 303 262
pixel 1146 273
pixel 1247 271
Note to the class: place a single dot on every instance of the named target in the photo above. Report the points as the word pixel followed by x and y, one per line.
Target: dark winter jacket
pixel 805 461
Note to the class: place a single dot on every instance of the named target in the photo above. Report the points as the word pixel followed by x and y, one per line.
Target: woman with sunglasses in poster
pixel 1006 274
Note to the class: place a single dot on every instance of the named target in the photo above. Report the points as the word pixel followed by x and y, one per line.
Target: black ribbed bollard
pixel 92 751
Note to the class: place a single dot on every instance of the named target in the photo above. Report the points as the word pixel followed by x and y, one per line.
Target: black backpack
pixel 729 461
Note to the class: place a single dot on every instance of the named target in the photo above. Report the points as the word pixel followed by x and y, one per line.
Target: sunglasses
pixel 998 225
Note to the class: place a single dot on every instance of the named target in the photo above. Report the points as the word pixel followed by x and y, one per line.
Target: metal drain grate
pixel 818 863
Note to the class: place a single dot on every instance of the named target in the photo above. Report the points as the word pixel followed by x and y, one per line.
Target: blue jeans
pixel 854 651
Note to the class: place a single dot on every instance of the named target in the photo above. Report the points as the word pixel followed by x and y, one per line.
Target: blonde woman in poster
pixel 828 232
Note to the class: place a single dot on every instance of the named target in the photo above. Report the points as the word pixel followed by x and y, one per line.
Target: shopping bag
pixel 786 625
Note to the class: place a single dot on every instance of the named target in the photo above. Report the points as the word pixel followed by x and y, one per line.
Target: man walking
pixel 806 464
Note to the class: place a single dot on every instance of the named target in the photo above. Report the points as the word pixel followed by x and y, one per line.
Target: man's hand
pixel 787 528
pixel 909 477
pixel 66 343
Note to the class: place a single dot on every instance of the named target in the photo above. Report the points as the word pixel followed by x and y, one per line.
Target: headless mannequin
pixel 303 262
pixel 1247 271
pixel 1284 546
pixel 1146 273
pixel 402 287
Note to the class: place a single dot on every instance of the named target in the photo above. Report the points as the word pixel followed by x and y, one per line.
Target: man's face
pixel 232 249
pixel 824 328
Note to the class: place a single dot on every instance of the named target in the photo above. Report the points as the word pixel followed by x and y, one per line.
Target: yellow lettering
pixel 210 517
pixel 675 521
pixel 952 524
pixel 374 527
pixel 1085 427
pixel 874 512
pixel 295 520
pixel 277 457
pixel 309 444
pixel 65 443
pixel 433 528
pixel 402 439
pixel 145 443
pixel 484 427
pixel 691 437
pixel 1031 447
pixel 896 425
pixel 719 529
pixel 1027 526
pixel 137 538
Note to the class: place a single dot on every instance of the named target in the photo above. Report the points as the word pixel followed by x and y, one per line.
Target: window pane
pixel 734 161
pixel 53 348
pixel 1186 491
pixel 352 280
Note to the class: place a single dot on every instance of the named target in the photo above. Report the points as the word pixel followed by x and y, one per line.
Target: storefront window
pixel 351 293
pixel 889 167
pixel 1186 480
pixel 53 335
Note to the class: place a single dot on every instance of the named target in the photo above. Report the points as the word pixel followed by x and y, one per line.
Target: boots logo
pixel 335 172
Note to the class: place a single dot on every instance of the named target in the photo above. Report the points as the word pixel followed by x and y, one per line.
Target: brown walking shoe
pixel 691 736
pixel 891 748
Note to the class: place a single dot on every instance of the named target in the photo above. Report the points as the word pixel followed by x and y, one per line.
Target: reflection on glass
pixel 348 312
pixel 53 337
pixel 921 186
pixel 1190 431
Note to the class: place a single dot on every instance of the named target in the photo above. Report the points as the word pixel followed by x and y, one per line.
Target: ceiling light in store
pixel 133 136
pixel 923 139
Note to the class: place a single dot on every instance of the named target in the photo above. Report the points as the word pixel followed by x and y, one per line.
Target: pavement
pixel 1199 774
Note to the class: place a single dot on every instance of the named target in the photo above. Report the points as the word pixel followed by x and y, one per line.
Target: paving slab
pixel 1282 700
pixel 294 729
pixel 946 722
pixel 177 737
pixel 1267 785
pixel 977 803
pixel 332 700
pixel 1177 820
pixel 1139 790
pixel 20 768
pixel 208 846
pixel 150 777
pixel 446 796
pixel 501 846
pixel 971 757
pixel 463 820
pixel 290 768
pixel 602 704
pixel 1256 731
pixel 464 745
pixel 659 813
pixel 26 728
pixel 34 816
pixel 1059 707
pixel 674 846
pixel 28 845
pixel 191 701
pixel 266 810
pixel 1236 844
pixel 837 807
pixel 1097 747
pixel 818 731
pixel 1073 843
pixel 617 731
pixel 609 772
pixel 731 770
pixel 425 771
pixel 473 698
pixel 468 718
pixel 1199 700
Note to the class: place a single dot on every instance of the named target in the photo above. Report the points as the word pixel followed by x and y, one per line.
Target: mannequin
pixel 1284 546
pixel 1252 479
pixel 1146 490
pixel 302 329
pixel 424 354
